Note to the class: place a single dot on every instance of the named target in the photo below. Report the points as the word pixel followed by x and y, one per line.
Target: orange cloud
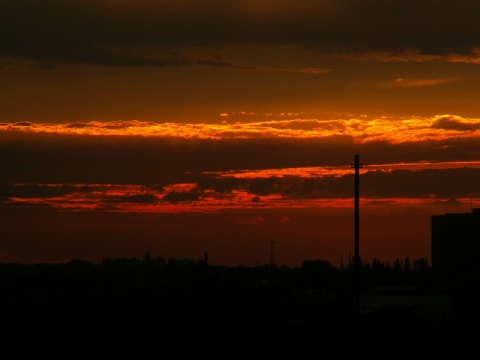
pixel 363 129
pixel 405 55
pixel 409 55
pixel 308 71
pixel 472 58
pixel 456 123
pixel 414 83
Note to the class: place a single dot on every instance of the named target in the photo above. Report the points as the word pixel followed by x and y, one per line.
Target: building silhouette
pixel 455 249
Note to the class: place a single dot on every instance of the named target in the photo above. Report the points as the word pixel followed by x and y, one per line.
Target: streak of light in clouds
pixel 362 129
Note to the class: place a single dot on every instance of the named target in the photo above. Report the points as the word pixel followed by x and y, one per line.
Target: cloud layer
pixel 165 33
pixel 281 158
pixel 359 130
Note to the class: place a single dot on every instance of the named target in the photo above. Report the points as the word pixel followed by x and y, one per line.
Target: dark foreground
pixel 131 309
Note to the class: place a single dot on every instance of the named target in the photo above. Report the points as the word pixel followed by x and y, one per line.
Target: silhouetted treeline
pixel 147 280
pixel 276 310
pixel 184 288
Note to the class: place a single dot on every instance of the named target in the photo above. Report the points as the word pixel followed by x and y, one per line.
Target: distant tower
pixel 272 261
pixel 206 258
pixel 146 256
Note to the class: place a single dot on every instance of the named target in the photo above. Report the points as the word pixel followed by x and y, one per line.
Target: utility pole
pixel 356 255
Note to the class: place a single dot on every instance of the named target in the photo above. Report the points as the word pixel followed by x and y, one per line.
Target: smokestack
pixel 356 255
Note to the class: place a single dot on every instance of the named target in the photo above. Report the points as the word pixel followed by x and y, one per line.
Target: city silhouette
pixel 142 306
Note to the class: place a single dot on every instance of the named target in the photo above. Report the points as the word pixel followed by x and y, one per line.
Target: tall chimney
pixel 356 255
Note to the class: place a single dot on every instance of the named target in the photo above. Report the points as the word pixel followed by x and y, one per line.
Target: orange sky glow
pixel 196 125
pixel 254 201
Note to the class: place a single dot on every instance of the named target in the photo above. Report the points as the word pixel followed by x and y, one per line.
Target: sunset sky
pixel 195 126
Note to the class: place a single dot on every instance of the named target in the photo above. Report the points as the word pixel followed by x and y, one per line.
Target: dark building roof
pixel 455 247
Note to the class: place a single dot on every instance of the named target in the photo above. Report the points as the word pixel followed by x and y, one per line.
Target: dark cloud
pixel 433 183
pixel 147 33
pixel 136 198
pixel 181 196
pixel 318 188
pixel 437 183
pixel 223 185
pixel 34 190
pixel 75 159
pixel 268 186
pixel 45 158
